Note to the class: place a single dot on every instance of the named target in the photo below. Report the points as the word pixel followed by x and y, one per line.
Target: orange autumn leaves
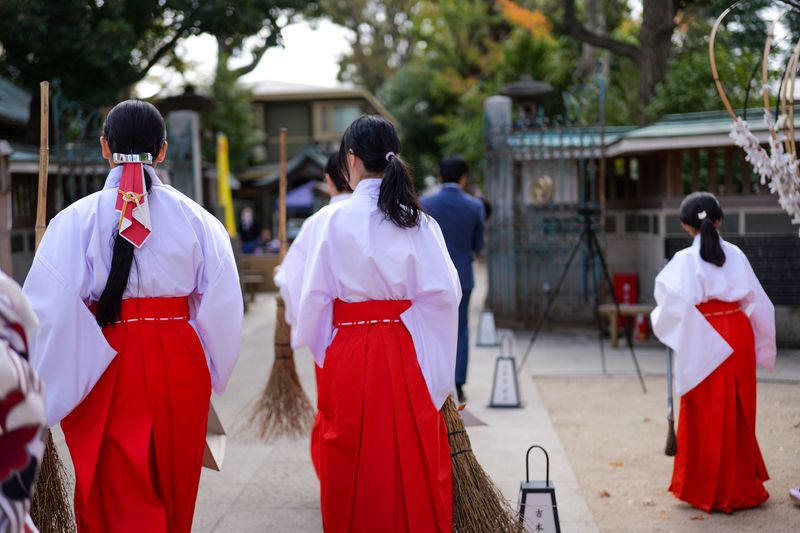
pixel 533 20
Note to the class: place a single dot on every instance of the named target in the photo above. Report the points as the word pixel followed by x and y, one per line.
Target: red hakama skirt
pixel 718 465
pixel 137 440
pixel 384 453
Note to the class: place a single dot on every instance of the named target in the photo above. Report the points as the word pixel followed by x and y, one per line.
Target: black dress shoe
pixel 460 392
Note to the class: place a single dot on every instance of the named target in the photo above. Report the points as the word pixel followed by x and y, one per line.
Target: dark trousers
pixel 462 354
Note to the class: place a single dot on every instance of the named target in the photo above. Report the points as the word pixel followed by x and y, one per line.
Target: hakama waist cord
pixel 719 465
pixel 384 454
pixel 137 440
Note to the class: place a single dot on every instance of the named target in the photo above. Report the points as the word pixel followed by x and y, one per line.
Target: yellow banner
pixel 224 196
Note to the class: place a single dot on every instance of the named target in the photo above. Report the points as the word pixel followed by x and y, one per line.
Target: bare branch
pixel 270 42
pixel 574 28
pixel 167 46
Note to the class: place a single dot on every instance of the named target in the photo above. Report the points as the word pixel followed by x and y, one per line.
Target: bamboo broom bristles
pixel 283 410
pixel 478 505
pixel 50 508
pixel 672 441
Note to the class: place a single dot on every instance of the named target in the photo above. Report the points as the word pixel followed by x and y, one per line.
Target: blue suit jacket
pixel 461 218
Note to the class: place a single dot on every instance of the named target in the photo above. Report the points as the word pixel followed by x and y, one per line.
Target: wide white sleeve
pixel 699 349
pixel 762 316
pixel 69 351
pixel 432 318
pixel 289 277
pixel 309 289
pixel 218 307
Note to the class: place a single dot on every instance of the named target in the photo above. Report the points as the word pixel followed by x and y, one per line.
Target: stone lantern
pixel 527 95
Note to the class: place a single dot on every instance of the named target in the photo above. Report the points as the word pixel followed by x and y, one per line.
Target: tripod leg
pixel 626 327
pixel 543 318
pixel 596 297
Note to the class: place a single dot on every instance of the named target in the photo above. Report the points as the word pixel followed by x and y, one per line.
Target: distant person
pixel 338 188
pixel 714 314
pixel 461 218
pixel 249 231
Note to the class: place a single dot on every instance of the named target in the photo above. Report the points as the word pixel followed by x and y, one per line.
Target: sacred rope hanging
pixel 778 168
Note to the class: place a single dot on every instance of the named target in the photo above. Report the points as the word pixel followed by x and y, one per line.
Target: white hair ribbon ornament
pixel 134 211
pixel 702 215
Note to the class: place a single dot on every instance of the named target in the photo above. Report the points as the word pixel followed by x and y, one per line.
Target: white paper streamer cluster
pixel 777 169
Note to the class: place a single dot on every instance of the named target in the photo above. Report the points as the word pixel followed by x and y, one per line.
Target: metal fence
pixel 537 173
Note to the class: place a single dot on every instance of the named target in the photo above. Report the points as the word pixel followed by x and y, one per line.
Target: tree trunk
pixel 655 45
pixel 655 42
pixel 596 24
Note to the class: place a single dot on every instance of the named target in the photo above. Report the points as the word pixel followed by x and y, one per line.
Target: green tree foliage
pixel 382 38
pixel 98 49
pixel 233 116
pixel 232 24
pixel 465 51
pixel 689 85
pixel 95 50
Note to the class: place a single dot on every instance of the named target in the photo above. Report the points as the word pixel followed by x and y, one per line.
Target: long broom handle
pixel 44 161
pixel 282 185
pixel 670 394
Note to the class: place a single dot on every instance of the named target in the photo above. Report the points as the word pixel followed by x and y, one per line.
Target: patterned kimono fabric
pixel 137 440
pixel 719 466
pixel 384 454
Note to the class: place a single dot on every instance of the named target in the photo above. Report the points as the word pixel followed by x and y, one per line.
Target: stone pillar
pixel 185 170
pixel 5 208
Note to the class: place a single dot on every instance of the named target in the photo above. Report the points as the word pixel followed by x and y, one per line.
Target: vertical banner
pixel 224 196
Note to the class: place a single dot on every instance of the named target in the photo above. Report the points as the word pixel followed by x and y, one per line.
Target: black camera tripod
pixel 588 238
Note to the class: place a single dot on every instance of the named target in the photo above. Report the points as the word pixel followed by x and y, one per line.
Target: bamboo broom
pixel 283 409
pixel 50 507
pixel 478 505
pixel 672 442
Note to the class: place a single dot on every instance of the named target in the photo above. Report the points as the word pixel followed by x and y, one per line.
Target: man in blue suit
pixel 461 218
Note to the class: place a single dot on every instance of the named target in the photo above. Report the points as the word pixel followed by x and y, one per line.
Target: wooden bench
pixel 249 279
pixel 626 310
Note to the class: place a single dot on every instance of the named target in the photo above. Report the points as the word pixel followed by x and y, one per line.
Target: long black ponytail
pixel 701 210
pixel 131 127
pixel 374 140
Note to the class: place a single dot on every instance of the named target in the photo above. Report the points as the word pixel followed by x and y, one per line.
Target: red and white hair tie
pixel 134 210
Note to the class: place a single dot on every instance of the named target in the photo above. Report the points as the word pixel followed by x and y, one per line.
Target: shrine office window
pixel 332 118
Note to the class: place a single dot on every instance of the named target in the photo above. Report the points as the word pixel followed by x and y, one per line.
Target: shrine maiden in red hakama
pixel 133 397
pixel 720 323
pixel 378 307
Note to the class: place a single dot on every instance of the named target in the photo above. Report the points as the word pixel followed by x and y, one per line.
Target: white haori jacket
pixel 686 281
pixel 349 250
pixel 188 254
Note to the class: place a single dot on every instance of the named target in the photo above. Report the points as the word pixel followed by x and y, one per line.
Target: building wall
pixel 296 118
pixel 318 122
